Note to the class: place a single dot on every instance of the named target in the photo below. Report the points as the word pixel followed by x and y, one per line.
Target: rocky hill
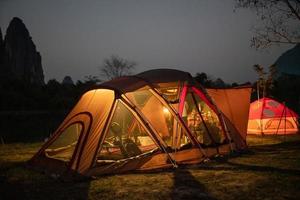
pixel 19 58
pixel 289 61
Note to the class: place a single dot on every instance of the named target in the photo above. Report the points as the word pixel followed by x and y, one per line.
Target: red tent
pixel 267 116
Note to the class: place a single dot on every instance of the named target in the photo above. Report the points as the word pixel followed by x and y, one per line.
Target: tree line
pixel 19 95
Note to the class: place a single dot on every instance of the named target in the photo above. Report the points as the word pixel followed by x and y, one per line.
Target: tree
pixel 91 80
pixel 67 80
pixel 203 79
pixel 265 82
pixel 116 67
pixel 280 21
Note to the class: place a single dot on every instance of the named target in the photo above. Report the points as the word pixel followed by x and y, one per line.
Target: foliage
pixel 36 109
pixel 18 95
pixel 115 66
pixel 265 82
pixel 279 21
pixel 209 82
pixel 286 89
pixel 203 79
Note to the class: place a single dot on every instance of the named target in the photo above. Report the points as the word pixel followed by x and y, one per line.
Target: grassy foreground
pixel 270 170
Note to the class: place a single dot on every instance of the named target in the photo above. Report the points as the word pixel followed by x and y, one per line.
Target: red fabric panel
pixel 204 98
pixel 266 108
pixel 182 99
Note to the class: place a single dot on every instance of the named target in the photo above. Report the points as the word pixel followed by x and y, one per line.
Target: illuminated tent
pixel 267 117
pixel 155 119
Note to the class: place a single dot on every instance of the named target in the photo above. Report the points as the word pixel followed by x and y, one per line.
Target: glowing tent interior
pixel 269 117
pixel 155 119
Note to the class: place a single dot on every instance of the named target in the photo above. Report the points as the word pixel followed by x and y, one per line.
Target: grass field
pixel 269 170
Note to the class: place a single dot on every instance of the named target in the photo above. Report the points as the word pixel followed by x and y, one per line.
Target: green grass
pixel 269 170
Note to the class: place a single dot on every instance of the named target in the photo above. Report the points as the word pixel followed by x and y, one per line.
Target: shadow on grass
pixel 265 169
pixel 187 187
pixel 283 144
pixel 283 149
pixel 19 182
pixel 256 168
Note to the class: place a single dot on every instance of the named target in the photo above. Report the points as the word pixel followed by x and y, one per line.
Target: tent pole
pixel 218 112
pixel 143 119
pixel 261 116
pixel 225 125
pixel 284 108
pixel 206 128
pixel 257 90
pixel 220 117
pixel 280 120
pixel 177 117
pixel 104 131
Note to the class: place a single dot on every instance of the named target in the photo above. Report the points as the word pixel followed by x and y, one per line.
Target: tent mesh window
pixel 156 113
pixel 125 138
pixel 210 128
pixel 63 147
pixel 169 91
pixel 193 120
pixel 211 120
pixel 253 124
pixel 278 124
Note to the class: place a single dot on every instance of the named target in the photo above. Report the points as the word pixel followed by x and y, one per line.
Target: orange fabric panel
pixel 156 161
pixel 156 116
pixel 188 156
pixel 146 163
pixel 97 103
pixel 99 106
pixel 70 118
pixel 234 103
pixel 238 141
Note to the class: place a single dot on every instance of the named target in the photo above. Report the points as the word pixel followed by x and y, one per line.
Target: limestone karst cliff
pixel 20 59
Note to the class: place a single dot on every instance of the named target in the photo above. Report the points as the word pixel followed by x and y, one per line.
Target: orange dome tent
pixel 269 117
pixel 155 119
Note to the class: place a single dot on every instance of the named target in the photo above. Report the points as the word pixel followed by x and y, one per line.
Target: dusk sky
pixel 75 36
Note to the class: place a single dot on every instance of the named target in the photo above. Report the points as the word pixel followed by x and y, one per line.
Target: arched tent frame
pixel 209 102
pixel 95 122
pixel 266 112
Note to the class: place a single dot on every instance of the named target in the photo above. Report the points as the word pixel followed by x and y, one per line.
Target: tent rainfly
pixel 156 119
pixel 269 117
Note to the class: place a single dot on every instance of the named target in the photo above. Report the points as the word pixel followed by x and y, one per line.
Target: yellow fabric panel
pixel 234 103
pixel 273 126
pixel 156 116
